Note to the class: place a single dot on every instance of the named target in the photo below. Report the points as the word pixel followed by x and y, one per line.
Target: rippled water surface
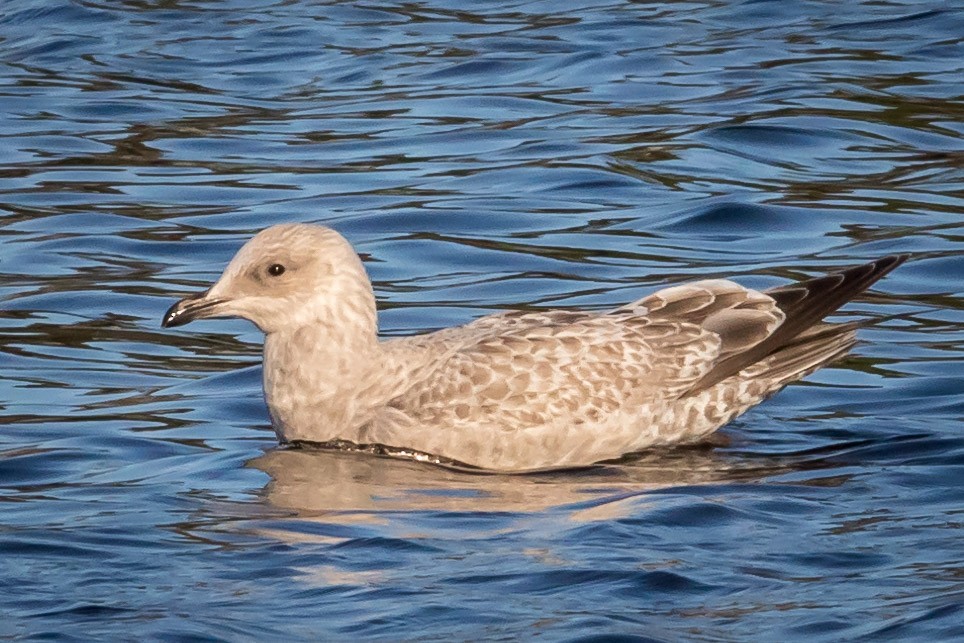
pixel 480 156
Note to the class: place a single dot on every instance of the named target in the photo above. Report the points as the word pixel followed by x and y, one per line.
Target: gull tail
pixel 807 353
pixel 802 344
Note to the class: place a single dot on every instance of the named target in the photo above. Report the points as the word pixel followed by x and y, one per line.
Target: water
pixel 480 156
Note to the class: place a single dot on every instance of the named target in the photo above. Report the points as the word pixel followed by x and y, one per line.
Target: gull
pixel 516 391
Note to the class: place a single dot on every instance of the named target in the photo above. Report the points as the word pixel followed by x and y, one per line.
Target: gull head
pixel 285 277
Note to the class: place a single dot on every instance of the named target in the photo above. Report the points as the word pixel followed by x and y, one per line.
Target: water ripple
pixel 513 154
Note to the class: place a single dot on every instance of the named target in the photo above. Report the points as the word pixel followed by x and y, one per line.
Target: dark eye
pixel 276 269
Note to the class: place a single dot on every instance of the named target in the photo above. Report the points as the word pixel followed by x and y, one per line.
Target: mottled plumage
pixel 517 391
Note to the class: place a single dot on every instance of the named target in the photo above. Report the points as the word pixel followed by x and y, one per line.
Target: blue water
pixel 480 156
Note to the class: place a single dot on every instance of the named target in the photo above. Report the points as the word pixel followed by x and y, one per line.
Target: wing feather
pixel 535 369
pixel 553 371
pixel 803 305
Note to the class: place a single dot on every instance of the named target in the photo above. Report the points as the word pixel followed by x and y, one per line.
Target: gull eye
pixel 276 269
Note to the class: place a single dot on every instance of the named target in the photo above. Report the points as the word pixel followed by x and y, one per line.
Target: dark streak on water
pixel 481 156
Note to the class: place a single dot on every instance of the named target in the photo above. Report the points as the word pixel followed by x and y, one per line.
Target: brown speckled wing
pixel 516 371
pixel 544 368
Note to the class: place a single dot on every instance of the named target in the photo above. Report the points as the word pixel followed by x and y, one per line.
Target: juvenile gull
pixel 517 391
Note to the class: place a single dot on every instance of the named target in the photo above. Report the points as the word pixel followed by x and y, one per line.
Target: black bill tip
pixel 187 310
pixel 174 316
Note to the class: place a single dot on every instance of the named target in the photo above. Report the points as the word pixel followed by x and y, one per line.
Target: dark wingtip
pixel 882 266
pixel 805 304
pixel 892 261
